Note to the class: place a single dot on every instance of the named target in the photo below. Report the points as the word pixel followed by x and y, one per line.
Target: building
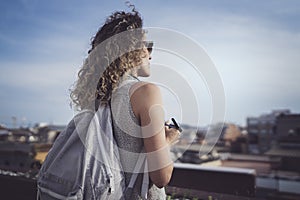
pixel 261 131
pixel 288 138
pixel 288 127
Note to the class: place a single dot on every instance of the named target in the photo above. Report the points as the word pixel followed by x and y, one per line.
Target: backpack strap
pixel 111 182
pixel 142 161
pixel 145 184
pixel 136 170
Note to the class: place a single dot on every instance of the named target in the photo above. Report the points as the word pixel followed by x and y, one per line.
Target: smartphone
pixel 174 125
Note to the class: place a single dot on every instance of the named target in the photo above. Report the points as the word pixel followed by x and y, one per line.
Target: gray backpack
pixel 84 162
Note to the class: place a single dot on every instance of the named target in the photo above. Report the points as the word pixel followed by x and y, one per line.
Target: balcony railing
pixel 229 183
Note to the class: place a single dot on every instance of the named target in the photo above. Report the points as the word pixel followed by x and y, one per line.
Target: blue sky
pixel 254 44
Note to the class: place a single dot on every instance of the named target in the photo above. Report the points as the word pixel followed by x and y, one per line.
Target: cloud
pixel 257 56
pixel 255 48
pixel 27 86
pixel 36 75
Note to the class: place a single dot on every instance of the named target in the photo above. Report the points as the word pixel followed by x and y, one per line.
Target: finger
pixel 168 122
pixel 167 128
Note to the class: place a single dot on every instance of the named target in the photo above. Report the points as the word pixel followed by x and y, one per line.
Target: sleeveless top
pixel 128 136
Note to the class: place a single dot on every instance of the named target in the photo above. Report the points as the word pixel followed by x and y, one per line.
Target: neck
pixel 134 76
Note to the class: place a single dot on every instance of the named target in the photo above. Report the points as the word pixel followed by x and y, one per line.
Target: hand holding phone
pixel 174 125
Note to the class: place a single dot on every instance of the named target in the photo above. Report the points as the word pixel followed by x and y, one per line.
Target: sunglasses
pixel 148 45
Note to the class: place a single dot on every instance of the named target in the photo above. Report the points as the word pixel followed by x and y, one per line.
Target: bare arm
pixel 147 105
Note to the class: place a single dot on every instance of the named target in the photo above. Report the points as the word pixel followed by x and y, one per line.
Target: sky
pixel 255 46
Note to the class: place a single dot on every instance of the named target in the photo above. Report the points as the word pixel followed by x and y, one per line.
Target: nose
pixel 150 57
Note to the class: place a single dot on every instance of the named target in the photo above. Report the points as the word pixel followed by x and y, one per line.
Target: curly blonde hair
pixel 110 57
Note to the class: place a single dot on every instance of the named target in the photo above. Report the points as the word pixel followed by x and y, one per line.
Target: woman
pixel 119 55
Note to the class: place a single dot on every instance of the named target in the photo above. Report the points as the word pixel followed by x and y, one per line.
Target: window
pixel 252 121
pixel 263 131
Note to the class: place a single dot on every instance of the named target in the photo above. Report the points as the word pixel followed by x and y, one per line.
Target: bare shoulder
pixel 144 89
pixel 144 95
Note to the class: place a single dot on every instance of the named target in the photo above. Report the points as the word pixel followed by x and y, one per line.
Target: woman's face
pixel 144 68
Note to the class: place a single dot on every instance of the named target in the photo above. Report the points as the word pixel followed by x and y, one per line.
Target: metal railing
pixel 226 180
pixel 231 181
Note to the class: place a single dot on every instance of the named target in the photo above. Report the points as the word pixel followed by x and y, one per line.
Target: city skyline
pixel 255 47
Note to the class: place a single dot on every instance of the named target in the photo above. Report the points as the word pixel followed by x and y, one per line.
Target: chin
pixel 145 75
pixel 144 72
